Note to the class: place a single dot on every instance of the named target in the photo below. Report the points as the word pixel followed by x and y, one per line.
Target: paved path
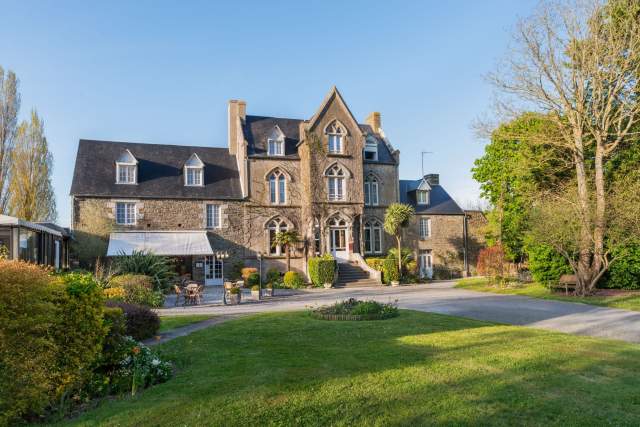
pixel 581 319
pixel 186 330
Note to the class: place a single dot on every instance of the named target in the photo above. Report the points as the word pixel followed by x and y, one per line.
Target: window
pixel 371 149
pixel 336 183
pixel 274 227
pixel 29 241
pixel 422 197
pixel 425 227
pixel 277 187
pixel 335 134
pixel 275 147
pixel 373 236
pixel 213 216
pixel 193 171
pixel 371 191
pixel 126 168
pixel 125 213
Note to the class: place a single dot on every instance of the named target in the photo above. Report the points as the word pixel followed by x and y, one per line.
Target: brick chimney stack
pixel 432 178
pixel 375 121
pixel 237 110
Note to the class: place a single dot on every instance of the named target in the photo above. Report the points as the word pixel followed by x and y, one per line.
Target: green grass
pixel 171 322
pixel 416 369
pixel 535 290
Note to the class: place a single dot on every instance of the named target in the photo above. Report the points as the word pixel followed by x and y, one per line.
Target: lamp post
pixel 259 255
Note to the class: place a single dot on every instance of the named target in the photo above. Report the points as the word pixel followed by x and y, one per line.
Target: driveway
pixel 442 297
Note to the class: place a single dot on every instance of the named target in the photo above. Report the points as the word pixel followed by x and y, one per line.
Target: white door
pixel 338 244
pixel 213 269
pixel 426 264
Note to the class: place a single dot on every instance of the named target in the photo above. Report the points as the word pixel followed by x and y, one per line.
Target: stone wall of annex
pixel 446 241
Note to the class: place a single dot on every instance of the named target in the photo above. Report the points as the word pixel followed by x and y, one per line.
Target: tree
pixel 30 190
pixel 286 239
pixel 9 108
pixel 396 218
pixel 579 63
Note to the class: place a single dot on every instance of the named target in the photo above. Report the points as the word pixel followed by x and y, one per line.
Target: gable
pixel 334 101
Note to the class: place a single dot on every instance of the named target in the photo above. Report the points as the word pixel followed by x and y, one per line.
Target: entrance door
pixel 213 270
pixel 426 264
pixel 338 242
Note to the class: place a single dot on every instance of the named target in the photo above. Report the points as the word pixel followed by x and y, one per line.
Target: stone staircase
pixel 350 274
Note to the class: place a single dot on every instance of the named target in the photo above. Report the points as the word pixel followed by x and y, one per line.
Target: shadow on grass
pixel 417 369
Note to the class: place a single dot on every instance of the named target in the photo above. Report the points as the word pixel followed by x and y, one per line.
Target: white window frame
pixel 130 212
pixel 336 184
pixel 212 216
pixel 425 227
pixel 278 147
pixel 422 197
pixel 198 173
pixel 132 173
pixel 371 196
pixel 373 246
pixel 335 137
pixel 276 225
pixel 277 187
pixel 371 147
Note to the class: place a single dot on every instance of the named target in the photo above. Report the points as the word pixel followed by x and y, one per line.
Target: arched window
pixel 277 187
pixel 371 191
pixel 336 183
pixel 335 135
pixel 276 225
pixel 372 236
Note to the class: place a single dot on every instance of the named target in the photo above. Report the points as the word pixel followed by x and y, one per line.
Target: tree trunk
pixel 288 258
pixel 584 261
pixel 399 255
pixel 600 220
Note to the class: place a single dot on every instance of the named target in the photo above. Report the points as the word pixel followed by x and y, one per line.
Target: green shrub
pixel 236 271
pixel 322 269
pixel 293 280
pixel 273 275
pixel 255 288
pixel 624 272
pixel 157 267
pixel 248 271
pixel 375 263
pixel 235 291
pixel 253 279
pixel 407 257
pixel 546 265
pixel 367 309
pixel 138 289
pixel 390 271
pixel 142 323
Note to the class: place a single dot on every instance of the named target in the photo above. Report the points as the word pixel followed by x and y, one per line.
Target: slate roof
pixel 160 171
pixel 258 128
pixel 440 202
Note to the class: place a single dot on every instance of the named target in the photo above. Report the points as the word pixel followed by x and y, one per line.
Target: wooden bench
pixel 567 281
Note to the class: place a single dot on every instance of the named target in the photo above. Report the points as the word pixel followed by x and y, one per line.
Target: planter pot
pixel 327 285
pixel 395 283
pixel 234 299
pixel 255 294
pixel 267 292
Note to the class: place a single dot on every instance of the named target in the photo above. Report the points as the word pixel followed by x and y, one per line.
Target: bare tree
pixel 31 195
pixel 579 62
pixel 9 108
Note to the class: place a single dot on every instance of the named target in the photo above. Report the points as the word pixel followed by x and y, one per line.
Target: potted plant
pixel 268 290
pixel 327 285
pixel 395 283
pixel 235 295
pixel 255 292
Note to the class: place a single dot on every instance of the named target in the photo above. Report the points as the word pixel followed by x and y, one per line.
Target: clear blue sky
pixel 162 72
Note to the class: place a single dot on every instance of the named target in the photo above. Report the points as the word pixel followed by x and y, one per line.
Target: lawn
pixel 535 290
pixel 171 322
pixel 416 369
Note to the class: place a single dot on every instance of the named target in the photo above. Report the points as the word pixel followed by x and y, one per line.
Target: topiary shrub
pixel 390 271
pixel 253 279
pixel 624 272
pixel 138 289
pixel 375 263
pixel 248 271
pixel 546 265
pixel 322 269
pixel 142 323
pixel 293 280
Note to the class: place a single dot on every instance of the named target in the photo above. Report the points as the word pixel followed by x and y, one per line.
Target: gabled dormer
pixel 275 142
pixel 194 171
pixel 371 148
pixel 423 192
pixel 126 168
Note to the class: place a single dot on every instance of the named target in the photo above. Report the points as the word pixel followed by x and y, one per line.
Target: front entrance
pixel 213 271
pixel 338 244
pixel 426 264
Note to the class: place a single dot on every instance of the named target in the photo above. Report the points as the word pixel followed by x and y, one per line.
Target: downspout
pixel 466 252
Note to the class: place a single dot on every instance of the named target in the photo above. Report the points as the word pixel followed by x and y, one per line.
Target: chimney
pixel 375 121
pixel 432 178
pixel 237 109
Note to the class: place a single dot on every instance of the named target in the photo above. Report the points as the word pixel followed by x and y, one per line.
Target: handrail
pixel 373 273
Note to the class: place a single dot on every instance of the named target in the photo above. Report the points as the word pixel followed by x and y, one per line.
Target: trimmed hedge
pixel 322 269
pixel 546 264
pixel 390 271
pixel 375 263
pixel 293 280
pixel 142 323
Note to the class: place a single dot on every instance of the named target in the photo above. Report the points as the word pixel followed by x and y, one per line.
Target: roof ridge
pixel 104 141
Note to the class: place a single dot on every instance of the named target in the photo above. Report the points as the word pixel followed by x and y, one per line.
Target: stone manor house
pixel 329 177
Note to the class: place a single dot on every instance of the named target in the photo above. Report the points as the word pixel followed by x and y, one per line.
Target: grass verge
pixel 415 369
pixel 172 322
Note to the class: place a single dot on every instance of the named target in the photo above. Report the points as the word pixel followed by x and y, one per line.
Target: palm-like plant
pixel 396 218
pixel 405 258
pixel 286 239
pixel 157 267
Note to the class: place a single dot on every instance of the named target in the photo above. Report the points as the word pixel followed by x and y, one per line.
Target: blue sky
pixel 162 72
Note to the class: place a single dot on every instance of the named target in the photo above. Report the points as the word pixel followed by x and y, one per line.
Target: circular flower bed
pixel 353 309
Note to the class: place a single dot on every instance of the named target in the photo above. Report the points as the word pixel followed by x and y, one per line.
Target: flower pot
pixel 234 299
pixel 327 285
pixel 267 292
pixel 255 294
pixel 395 283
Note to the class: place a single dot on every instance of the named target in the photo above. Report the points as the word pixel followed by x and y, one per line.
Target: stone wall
pixel 446 241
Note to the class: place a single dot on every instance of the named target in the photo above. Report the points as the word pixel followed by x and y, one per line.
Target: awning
pixel 173 243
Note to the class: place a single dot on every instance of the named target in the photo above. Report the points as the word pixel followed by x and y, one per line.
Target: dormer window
pixel 276 147
pixel 194 171
pixel 422 197
pixel 335 135
pixel 126 168
pixel 371 149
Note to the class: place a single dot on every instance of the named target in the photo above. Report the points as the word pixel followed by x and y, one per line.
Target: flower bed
pixel 353 309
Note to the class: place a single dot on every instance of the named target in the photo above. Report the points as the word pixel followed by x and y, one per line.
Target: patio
pixel 212 295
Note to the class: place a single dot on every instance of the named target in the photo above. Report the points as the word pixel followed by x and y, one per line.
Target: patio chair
pixel 200 294
pixel 178 293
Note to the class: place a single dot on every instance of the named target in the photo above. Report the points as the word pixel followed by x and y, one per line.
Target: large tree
pixel 579 62
pixel 9 108
pixel 31 195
